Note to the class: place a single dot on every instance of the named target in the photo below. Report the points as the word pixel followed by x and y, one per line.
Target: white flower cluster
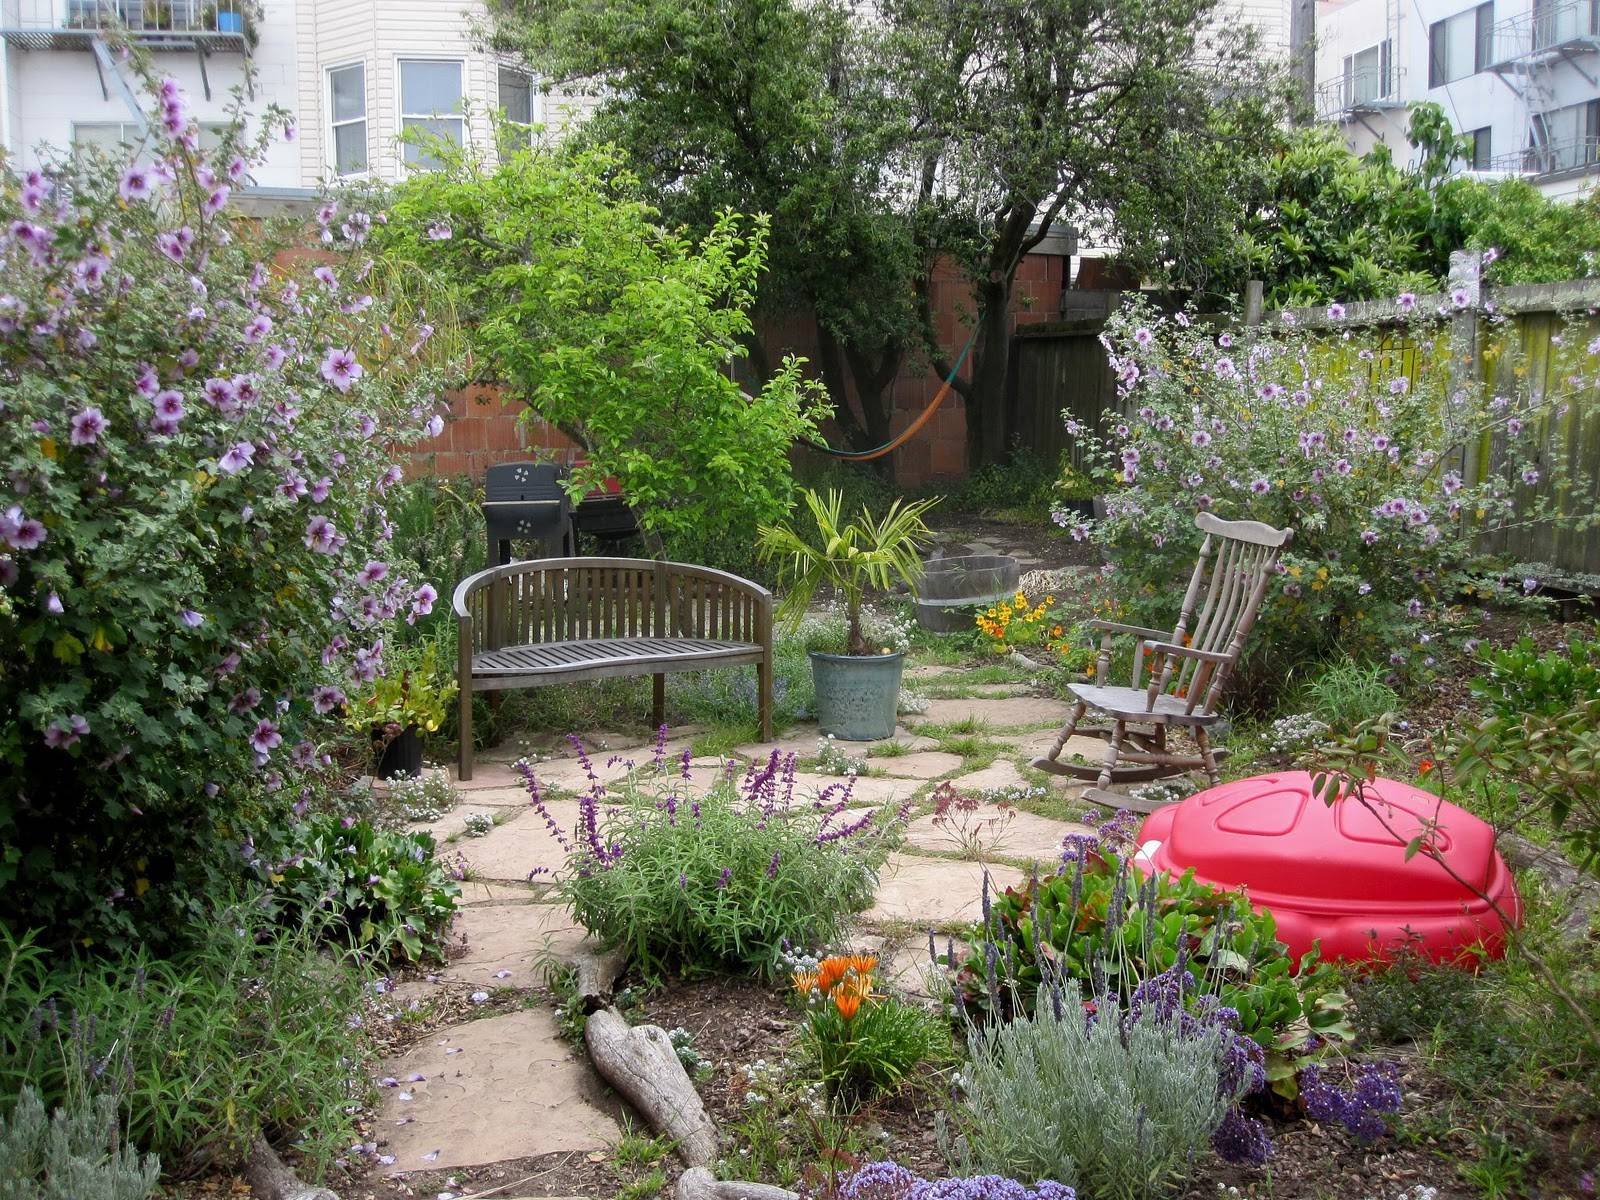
pixel 424 797
pixel 1293 734
pixel 834 760
pixel 478 824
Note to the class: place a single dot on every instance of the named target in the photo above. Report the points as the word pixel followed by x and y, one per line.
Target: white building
pixel 355 73
pixel 1520 78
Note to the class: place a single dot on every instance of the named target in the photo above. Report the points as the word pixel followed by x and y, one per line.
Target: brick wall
pixel 480 431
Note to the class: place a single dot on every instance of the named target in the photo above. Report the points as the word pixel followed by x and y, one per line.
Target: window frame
pixel 1482 155
pixel 1481 17
pixel 520 131
pixel 401 115
pixel 1352 92
pixel 334 123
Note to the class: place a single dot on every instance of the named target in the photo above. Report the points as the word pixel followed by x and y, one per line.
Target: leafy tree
pixel 1089 112
pixel 615 329
pixel 768 106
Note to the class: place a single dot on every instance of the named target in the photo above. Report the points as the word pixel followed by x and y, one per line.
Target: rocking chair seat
pixel 1133 704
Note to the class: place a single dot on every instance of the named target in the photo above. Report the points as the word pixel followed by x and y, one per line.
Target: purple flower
pixel 372 572
pixel 259 327
pixel 326 277
pixel 724 879
pixel 52 603
pixel 217 200
pixel 1201 438
pixel 1530 475
pixel 136 184
pixel 1224 367
pixel 435 426
pixel 265 739
pixel 326 699
pixel 239 456
pixel 340 368
pixel 440 231
pixel 1143 336
pixel 1335 312
pixel 321 535
pixel 1406 301
pixel 191 618
pixel 422 601
pixel 87 426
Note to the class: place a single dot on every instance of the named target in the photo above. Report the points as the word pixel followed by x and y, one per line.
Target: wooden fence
pixel 1060 370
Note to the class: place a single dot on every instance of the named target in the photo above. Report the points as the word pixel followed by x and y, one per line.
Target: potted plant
pixel 857 691
pixel 1075 491
pixel 402 706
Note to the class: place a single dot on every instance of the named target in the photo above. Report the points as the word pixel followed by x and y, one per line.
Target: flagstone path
pixel 506 1086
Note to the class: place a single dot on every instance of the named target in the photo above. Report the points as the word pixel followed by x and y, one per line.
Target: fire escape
pixel 1528 50
pixel 1369 83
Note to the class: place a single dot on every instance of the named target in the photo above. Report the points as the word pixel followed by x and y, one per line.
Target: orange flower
pixel 830 971
pixel 847 1002
pixel 1425 766
pixel 805 982
pixel 863 964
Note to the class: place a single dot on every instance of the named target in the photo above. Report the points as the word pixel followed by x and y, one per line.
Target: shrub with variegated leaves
pixel 199 430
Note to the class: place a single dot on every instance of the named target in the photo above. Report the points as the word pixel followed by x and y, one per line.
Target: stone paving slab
pixel 924 764
pixel 1024 836
pixel 510 937
pixel 479 891
pixel 1032 745
pixel 868 789
pixel 512 1089
pixel 520 845
pixel 1002 773
pixel 935 891
pixel 1010 715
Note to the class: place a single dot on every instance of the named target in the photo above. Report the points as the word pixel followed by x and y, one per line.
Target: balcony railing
pixel 52 24
pixel 1553 158
pixel 1364 90
pixel 1546 29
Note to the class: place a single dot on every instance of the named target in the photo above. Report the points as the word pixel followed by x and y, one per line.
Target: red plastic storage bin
pixel 1334 874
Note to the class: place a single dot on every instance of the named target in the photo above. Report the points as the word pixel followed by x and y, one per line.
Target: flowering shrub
pixel 863 1041
pixel 700 879
pixel 1102 922
pixel 198 436
pixel 1361 1106
pixel 1019 625
pixel 891 1181
pixel 1362 449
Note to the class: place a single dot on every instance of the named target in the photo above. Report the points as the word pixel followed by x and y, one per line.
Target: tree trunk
pixel 986 405
pixel 596 973
pixel 639 1062
pixel 270 1179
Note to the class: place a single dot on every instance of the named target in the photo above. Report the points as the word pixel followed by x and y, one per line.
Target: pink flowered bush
pixel 198 433
pixel 1363 442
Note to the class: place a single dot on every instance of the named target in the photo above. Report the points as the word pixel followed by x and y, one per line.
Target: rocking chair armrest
pixel 1178 651
pixel 1131 630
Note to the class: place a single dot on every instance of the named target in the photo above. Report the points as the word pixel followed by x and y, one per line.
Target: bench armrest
pixel 1111 629
pixel 1131 630
pixel 1177 651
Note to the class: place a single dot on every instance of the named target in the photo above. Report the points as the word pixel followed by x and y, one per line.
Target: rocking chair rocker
pixel 1188 669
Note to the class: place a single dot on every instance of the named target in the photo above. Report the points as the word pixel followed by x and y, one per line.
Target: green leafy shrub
pixel 719 882
pixel 198 436
pixel 615 329
pixel 1102 917
pixel 1119 1104
pixel 1522 680
pixel 1242 423
pixel 864 1043
pixel 253 1031
pixel 1349 692
pixel 382 889
pixel 71 1155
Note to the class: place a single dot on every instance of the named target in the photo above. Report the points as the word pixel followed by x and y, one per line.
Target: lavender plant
pixel 77 1155
pixel 199 432
pixel 891 1181
pixel 725 877
pixel 1364 447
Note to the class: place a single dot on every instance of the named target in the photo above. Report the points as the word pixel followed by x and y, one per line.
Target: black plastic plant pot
pixel 1084 508
pixel 402 756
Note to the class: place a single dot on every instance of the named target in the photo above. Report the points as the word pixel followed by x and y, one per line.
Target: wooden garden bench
pixel 561 620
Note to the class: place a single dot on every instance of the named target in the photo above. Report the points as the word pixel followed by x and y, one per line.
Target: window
pixel 1565 138
pixel 1556 22
pixel 347 105
pixel 430 103
pixel 116 138
pixel 517 102
pixel 1480 153
pixel 1461 45
pixel 1366 75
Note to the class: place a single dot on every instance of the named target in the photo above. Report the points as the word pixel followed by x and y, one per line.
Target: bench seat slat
pixel 554 658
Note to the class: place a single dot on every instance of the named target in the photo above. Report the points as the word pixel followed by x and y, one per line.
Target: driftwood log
pixel 697 1183
pixel 270 1179
pixel 597 972
pixel 639 1061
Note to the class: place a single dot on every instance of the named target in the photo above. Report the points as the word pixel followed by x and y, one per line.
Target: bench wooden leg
pixel 658 701
pixel 764 699
pixel 464 762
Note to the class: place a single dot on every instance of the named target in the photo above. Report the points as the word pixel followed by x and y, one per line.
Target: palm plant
pixel 866 552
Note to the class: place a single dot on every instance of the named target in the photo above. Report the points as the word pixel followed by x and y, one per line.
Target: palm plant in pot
pixel 857 691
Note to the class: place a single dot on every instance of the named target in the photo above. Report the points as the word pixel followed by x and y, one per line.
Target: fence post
pixel 1465 288
pixel 1254 291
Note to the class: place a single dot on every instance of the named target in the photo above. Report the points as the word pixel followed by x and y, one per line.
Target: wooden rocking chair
pixel 1188 668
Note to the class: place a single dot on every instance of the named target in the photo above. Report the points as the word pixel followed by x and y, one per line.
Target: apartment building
pixel 1520 78
pixel 356 74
